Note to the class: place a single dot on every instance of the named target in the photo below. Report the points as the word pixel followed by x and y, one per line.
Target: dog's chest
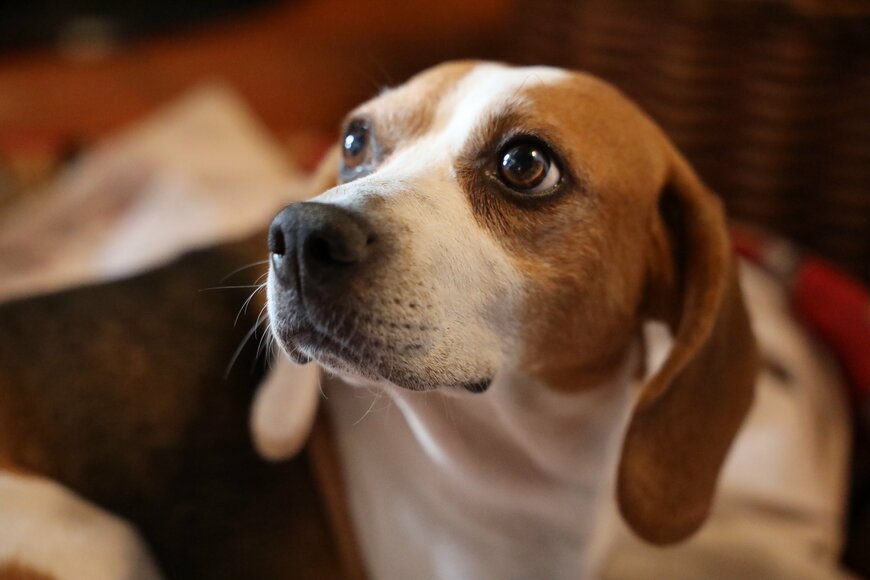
pixel 499 485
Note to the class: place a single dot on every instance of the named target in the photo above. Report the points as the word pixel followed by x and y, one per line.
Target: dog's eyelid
pixel 362 118
pixel 539 138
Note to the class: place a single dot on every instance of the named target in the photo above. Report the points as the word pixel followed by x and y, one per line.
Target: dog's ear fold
pixel 285 405
pixel 688 413
pixel 284 409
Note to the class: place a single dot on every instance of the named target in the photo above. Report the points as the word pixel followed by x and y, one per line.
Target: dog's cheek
pixel 577 316
pixel 470 282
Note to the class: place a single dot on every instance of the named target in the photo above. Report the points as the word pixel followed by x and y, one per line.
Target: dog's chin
pixel 358 360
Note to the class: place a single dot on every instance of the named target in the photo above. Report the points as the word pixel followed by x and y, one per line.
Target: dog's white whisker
pixel 323 394
pixel 366 414
pixel 264 339
pixel 237 270
pixel 238 287
pixel 272 348
pixel 239 349
pixel 244 307
pixel 252 332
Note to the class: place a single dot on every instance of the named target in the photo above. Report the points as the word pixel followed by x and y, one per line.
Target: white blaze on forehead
pixel 487 89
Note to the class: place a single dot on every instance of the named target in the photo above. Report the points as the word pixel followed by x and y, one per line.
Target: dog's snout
pixel 313 244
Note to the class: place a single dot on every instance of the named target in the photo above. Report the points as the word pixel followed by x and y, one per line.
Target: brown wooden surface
pixel 302 64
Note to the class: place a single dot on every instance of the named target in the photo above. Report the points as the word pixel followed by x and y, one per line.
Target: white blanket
pixel 198 172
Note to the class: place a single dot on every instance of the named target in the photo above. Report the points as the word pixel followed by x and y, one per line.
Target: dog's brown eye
pixel 527 167
pixel 355 144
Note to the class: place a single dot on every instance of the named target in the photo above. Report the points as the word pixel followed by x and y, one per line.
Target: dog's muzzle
pixel 316 247
pixel 327 269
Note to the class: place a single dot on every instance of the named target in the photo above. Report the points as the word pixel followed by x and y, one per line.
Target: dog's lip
pixel 305 334
pixel 303 337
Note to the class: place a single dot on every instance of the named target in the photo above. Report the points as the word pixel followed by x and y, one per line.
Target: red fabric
pixel 837 309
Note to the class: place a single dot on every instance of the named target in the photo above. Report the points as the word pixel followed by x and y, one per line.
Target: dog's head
pixel 483 219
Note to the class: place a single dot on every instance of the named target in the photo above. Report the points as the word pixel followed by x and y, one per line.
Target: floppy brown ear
pixel 285 404
pixel 688 414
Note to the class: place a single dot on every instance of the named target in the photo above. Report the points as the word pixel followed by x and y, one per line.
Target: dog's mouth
pixel 354 354
pixel 304 342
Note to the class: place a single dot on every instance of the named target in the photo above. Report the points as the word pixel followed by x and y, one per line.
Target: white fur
pixel 487 88
pixel 46 527
pixel 506 484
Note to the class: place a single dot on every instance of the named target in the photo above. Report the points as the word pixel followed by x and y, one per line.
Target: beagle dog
pixel 529 315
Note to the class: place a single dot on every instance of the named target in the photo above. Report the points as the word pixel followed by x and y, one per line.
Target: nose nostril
pixel 331 250
pixel 320 250
pixel 277 244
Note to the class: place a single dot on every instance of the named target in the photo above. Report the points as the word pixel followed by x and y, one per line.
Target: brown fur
pixel 408 111
pixel 16 571
pixel 599 252
pixel 689 413
pixel 585 273
pixel 6 465
pixel 594 256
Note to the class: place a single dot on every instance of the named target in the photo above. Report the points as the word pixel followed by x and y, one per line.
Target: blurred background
pixel 74 71
pixel 769 99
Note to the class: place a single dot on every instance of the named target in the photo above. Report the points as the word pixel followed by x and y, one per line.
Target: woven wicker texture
pixel 769 100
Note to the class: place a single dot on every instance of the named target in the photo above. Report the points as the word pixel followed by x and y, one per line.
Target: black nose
pixel 314 244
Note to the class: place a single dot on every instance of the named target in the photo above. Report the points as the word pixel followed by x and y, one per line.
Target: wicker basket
pixel 769 100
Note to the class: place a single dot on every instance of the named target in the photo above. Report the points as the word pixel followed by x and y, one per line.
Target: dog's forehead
pixel 486 91
pixel 452 100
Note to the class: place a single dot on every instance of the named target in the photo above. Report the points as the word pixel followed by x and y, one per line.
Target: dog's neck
pixel 521 473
